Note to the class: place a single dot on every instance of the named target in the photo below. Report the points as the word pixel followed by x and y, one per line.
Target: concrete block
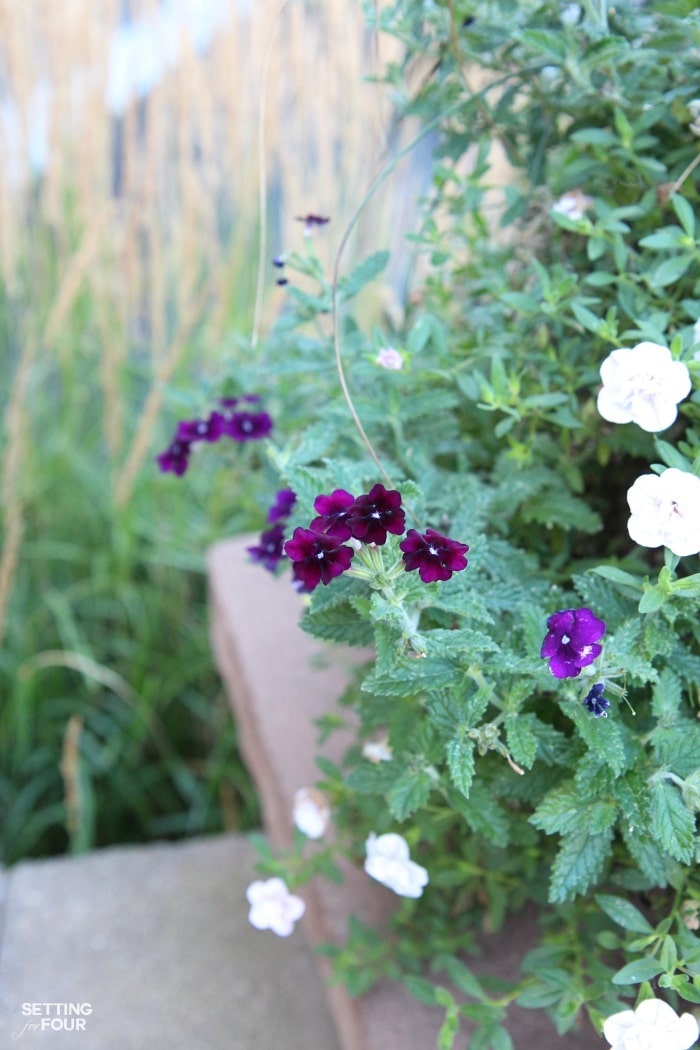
pixel 155 941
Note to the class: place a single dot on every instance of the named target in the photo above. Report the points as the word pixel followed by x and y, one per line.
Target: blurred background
pixel 139 142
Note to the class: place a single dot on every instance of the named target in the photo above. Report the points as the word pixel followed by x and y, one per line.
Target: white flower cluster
pixel 644 385
pixel 389 862
pixel 273 907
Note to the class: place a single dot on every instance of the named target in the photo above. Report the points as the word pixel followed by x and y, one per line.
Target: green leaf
pixel 409 793
pixel 585 317
pixel 652 600
pixel 672 825
pixel 449 1030
pixel 669 271
pixel 578 864
pixel 521 735
pixel 689 992
pixel 463 978
pixel 551 44
pixel 615 575
pixel 639 970
pixel 421 989
pixel 430 673
pixel 684 211
pixel 668 237
pixel 623 913
pixel 602 735
pixel 594 137
pixel 482 813
pixel 460 761
pixel 667 696
pixel 362 275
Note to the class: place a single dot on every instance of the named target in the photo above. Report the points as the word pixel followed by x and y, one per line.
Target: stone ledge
pixel 279 680
pixel 156 939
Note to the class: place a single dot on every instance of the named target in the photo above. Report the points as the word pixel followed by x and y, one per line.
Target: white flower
pixel 273 907
pixel 573 204
pixel 377 751
pixel 311 812
pixel 388 861
pixel 666 511
pixel 642 385
pixel 694 108
pixel 389 357
pixel 654 1025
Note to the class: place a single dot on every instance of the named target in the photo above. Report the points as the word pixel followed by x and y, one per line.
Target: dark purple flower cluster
pixel 235 418
pixel 319 553
pixel 571 641
pixel 269 550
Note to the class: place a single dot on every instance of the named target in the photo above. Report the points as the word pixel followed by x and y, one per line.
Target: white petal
pixel 610 408
pixel 618 1026
pixel 654 413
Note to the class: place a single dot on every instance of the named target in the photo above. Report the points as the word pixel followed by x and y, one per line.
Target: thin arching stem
pixel 383 175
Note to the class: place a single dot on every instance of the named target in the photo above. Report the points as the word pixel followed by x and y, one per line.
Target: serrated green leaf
pixel 408 793
pixel 430 673
pixel 372 778
pixel 602 735
pixel 578 864
pixel 637 971
pixel 460 762
pixel 521 736
pixel 623 913
pixel 672 825
pixel 666 696
pixel 338 623
pixel 482 813
pixel 647 856
pixel 559 812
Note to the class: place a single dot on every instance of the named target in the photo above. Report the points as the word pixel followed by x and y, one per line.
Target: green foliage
pixel 504 782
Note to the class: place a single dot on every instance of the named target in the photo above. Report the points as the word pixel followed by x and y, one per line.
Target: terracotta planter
pixel 279 680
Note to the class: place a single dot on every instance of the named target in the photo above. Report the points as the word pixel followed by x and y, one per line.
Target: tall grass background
pixel 137 184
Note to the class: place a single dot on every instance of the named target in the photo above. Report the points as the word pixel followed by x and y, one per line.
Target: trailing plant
pixel 500 494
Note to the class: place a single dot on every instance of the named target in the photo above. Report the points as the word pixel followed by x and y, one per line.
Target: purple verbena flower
pixel 282 507
pixel 596 703
pixel 333 513
pixel 316 558
pixel 570 642
pixel 270 548
pixel 248 426
pixel 231 402
pixel 175 459
pixel 375 514
pixel 211 429
pixel 435 556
